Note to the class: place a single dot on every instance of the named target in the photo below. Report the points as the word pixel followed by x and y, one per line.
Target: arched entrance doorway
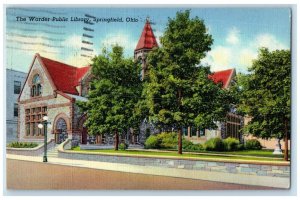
pixel 83 129
pixel 84 135
pixel 60 131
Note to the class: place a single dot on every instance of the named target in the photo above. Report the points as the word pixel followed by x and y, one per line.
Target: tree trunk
pixel 116 140
pixel 179 129
pixel 286 144
pixel 179 141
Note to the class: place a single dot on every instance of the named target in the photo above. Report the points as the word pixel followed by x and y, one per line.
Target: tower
pixel 146 43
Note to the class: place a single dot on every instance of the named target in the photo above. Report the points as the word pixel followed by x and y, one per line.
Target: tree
pixel 266 95
pixel 178 91
pixel 116 89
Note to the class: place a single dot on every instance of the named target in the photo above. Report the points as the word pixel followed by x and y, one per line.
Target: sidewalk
pixel 276 182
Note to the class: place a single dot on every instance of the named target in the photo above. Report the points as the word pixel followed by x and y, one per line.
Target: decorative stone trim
pixel 32 74
pixel 59 105
pixel 67 120
pixel 33 137
pixel 38 98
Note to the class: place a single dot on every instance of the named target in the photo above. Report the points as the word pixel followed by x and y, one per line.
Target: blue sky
pixel 238 33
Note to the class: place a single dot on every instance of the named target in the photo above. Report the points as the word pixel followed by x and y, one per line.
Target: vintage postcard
pixel 148 98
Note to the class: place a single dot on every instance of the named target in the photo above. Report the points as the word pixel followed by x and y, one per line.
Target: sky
pixel 238 33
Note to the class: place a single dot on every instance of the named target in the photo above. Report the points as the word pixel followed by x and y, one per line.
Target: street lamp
pixel 40 126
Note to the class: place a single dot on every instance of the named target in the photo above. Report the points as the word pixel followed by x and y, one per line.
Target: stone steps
pixel 53 152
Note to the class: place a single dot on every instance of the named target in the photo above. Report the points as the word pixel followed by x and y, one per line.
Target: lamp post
pixel 40 126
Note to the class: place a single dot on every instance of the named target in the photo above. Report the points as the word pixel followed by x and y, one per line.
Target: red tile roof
pixel 65 77
pixel 81 72
pixel 147 39
pixel 222 76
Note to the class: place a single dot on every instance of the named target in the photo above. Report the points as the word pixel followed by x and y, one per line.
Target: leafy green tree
pixel 116 90
pixel 266 95
pixel 178 91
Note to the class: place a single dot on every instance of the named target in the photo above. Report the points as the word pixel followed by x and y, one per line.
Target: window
pixel 15 110
pixel 36 89
pixel 17 87
pixel 44 109
pixel 193 131
pixel 185 131
pixel 201 132
pixel 39 90
pixel 33 117
pixel 36 79
pixel 233 126
pixel 27 129
pixel 33 128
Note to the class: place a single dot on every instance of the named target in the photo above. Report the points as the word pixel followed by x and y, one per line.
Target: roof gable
pixel 147 39
pixel 34 68
pixel 223 77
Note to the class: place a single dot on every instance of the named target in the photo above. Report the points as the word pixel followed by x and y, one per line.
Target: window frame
pixel 34 116
pixel 17 87
pixel 36 86
pixel 16 110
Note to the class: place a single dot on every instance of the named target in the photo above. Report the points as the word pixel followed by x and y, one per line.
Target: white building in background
pixel 14 82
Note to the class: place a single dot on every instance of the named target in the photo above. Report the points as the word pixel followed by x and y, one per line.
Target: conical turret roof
pixel 147 39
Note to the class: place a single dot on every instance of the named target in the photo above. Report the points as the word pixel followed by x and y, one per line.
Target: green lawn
pixel 250 155
pixel 259 153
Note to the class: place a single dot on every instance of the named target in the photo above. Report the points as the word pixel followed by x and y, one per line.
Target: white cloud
pixel 240 54
pixel 73 57
pixel 233 36
pixel 35 45
pixel 77 60
pixel 73 41
pixel 269 41
pixel 246 57
pixel 208 29
pixel 122 39
pixel 218 58
pixel 158 34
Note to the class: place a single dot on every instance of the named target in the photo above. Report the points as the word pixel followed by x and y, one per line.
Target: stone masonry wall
pixel 227 167
pixel 30 151
pixel 56 104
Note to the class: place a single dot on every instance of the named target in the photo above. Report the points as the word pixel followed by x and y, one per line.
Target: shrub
pixel 214 144
pixel 123 146
pixel 152 142
pixel 240 147
pixel 23 145
pixel 168 140
pixel 186 144
pixel 163 140
pixel 194 147
pixel 253 144
pixel 231 144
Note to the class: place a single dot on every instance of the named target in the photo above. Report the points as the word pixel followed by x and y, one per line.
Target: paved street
pixel 34 175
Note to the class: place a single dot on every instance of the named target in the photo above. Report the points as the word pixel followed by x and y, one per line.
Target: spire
pixel 147 39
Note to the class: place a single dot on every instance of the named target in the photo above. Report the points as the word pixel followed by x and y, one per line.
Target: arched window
pixel 33 90
pixel 39 89
pixel 36 79
pixel 36 89
pixel 140 60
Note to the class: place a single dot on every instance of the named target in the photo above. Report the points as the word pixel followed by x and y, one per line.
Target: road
pixel 28 175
